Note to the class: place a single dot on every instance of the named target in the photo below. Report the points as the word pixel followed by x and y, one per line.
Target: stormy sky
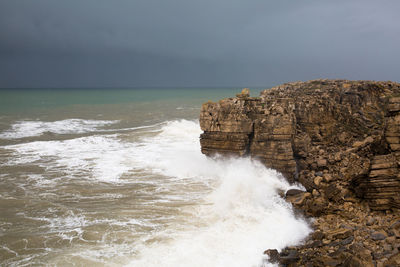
pixel 136 43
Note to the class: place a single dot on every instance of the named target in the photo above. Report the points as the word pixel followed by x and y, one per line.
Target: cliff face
pixel 336 137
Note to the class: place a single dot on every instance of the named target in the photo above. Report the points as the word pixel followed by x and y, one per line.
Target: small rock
pixel 393 260
pixel 347 241
pixel 355 261
pixel 315 193
pixel 299 199
pixel 289 256
pixel 347 206
pixel 391 240
pixel 328 261
pixel 381 235
pixel 318 180
pixel 321 162
pixel 315 244
pixel 332 192
pixel 340 233
pixel 366 141
pixel 387 249
pixel 327 177
pixel 395 227
pixel 273 255
pixel 370 221
pixel 294 192
pixel 318 235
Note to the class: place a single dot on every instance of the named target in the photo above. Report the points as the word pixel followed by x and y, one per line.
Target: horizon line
pixel 137 87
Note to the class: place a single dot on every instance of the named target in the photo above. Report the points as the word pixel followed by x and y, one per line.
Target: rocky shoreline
pixel 341 140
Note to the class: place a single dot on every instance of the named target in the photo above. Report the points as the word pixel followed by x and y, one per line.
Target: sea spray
pixel 240 217
pixel 150 198
pixel 22 129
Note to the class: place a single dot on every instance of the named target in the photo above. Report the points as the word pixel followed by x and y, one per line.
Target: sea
pixel 115 177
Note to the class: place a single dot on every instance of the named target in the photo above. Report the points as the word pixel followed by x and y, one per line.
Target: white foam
pixel 95 157
pixel 241 216
pixel 235 212
pixel 23 129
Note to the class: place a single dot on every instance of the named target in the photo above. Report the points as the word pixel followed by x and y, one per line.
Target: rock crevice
pixel 341 140
pixel 345 132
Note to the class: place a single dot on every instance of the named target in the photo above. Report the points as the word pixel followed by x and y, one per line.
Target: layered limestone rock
pixel 341 140
pixel 335 137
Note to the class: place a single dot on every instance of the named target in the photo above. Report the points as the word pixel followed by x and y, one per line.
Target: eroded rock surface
pixel 341 140
pixel 330 135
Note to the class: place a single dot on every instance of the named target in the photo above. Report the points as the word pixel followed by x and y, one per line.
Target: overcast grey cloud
pixel 121 43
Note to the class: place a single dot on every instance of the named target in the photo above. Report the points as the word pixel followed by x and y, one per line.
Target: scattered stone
pixel 378 235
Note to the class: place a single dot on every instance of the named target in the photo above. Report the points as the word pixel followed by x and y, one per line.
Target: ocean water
pixel 97 177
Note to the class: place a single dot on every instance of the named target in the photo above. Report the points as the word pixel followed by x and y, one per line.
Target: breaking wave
pixel 23 129
pixel 206 211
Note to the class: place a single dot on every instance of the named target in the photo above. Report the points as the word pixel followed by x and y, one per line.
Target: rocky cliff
pixel 338 138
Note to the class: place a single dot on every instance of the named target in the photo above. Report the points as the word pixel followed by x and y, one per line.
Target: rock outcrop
pixel 330 135
pixel 341 140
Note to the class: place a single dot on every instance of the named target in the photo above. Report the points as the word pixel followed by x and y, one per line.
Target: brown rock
pixel 294 192
pixel 273 255
pixel 340 233
pixel 327 177
pixel 318 180
pixel 341 140
pixel 381 235
pixel 322 162
pixel 393 261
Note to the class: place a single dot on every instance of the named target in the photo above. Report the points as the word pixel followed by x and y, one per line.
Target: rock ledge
pixel 341 140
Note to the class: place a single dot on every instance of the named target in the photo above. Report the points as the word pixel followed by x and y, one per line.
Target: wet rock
pixel 294 192
pixel 273 255
pixel 297 197
pixel 288 257
pixel 341 140
pixel 348 128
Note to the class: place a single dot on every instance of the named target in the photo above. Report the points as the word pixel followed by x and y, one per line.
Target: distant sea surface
pixel 115 177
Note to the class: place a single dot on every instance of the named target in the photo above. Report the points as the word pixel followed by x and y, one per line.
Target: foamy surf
pixel 22 129
pixel 173 206
pixel 238 217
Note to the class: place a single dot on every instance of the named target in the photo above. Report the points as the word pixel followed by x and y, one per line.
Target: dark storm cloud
pixel 195 43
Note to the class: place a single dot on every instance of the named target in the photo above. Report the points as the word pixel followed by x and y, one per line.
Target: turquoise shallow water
pixel 97 177
pixel 26 100
pixel 133 107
